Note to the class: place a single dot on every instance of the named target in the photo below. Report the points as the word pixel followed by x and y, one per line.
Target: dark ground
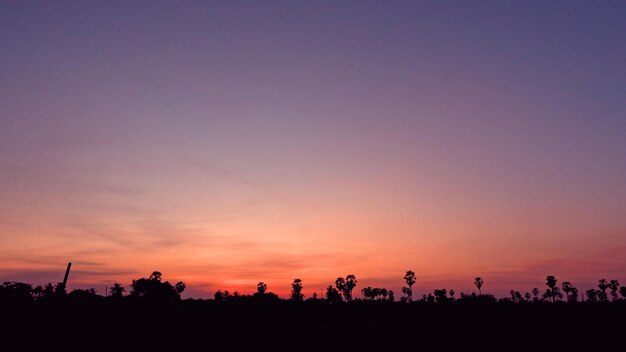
pixel 311 325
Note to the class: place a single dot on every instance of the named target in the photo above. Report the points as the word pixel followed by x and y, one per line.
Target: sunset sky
pixel 227 143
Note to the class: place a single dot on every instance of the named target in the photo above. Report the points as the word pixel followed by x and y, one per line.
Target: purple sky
pixel 225 143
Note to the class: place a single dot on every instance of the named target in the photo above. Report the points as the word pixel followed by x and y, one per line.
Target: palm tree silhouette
pixel 535 292
pixel 552 291
pixel 296 290
pixel 117 290
pixel 478 281
pixel 409 278
pixel 567 288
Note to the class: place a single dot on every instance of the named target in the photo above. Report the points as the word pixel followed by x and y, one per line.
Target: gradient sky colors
pixel 226 143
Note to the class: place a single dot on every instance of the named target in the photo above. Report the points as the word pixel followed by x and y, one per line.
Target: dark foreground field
pixel 312 325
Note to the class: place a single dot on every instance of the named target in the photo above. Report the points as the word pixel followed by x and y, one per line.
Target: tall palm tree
pixel 479 282
pixel 409 278
pixel 567 288
pixel 551 282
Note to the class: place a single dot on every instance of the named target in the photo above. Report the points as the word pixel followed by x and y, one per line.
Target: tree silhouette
pixel 567 288
pixel 440 295
pixel 117 290
pixel 85 295
pixel 60 289
pixel 296 290
pixel 340 284
pixel 603 285
pixel 38 292
pixel 382 293
pixel 516 296
pixel 451 293
pixel 392 298
pixel 574 295
pixel 16 291
pixel 350 284
pixel 535 292
pixel 375 293
pixel 553 291
pixel 345 286
pixel 592 295
pixel 222 296
pixel 614 286
pixel 48 290
pixel 180 287
pixel 406 291
pixel 155 276
pixel 261 287
pixel 409 278
pixel 154 289
pixel 479 283
pixel 428 299
pixel 368 292
pixel 332 295
pixel 622 291
pixel 527 296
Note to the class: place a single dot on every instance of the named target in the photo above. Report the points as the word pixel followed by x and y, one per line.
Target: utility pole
pixel 67 273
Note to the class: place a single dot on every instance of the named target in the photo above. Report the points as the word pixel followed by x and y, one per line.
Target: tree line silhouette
pixel 154 289
pixel 149 313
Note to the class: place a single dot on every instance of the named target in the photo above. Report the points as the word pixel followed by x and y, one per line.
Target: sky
pixel 227 143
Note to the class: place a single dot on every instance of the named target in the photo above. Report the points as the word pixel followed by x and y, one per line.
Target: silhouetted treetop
pixel 117 290
pixel 261 287
pixel 154 289
pixel 296 290
pixel 478 281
